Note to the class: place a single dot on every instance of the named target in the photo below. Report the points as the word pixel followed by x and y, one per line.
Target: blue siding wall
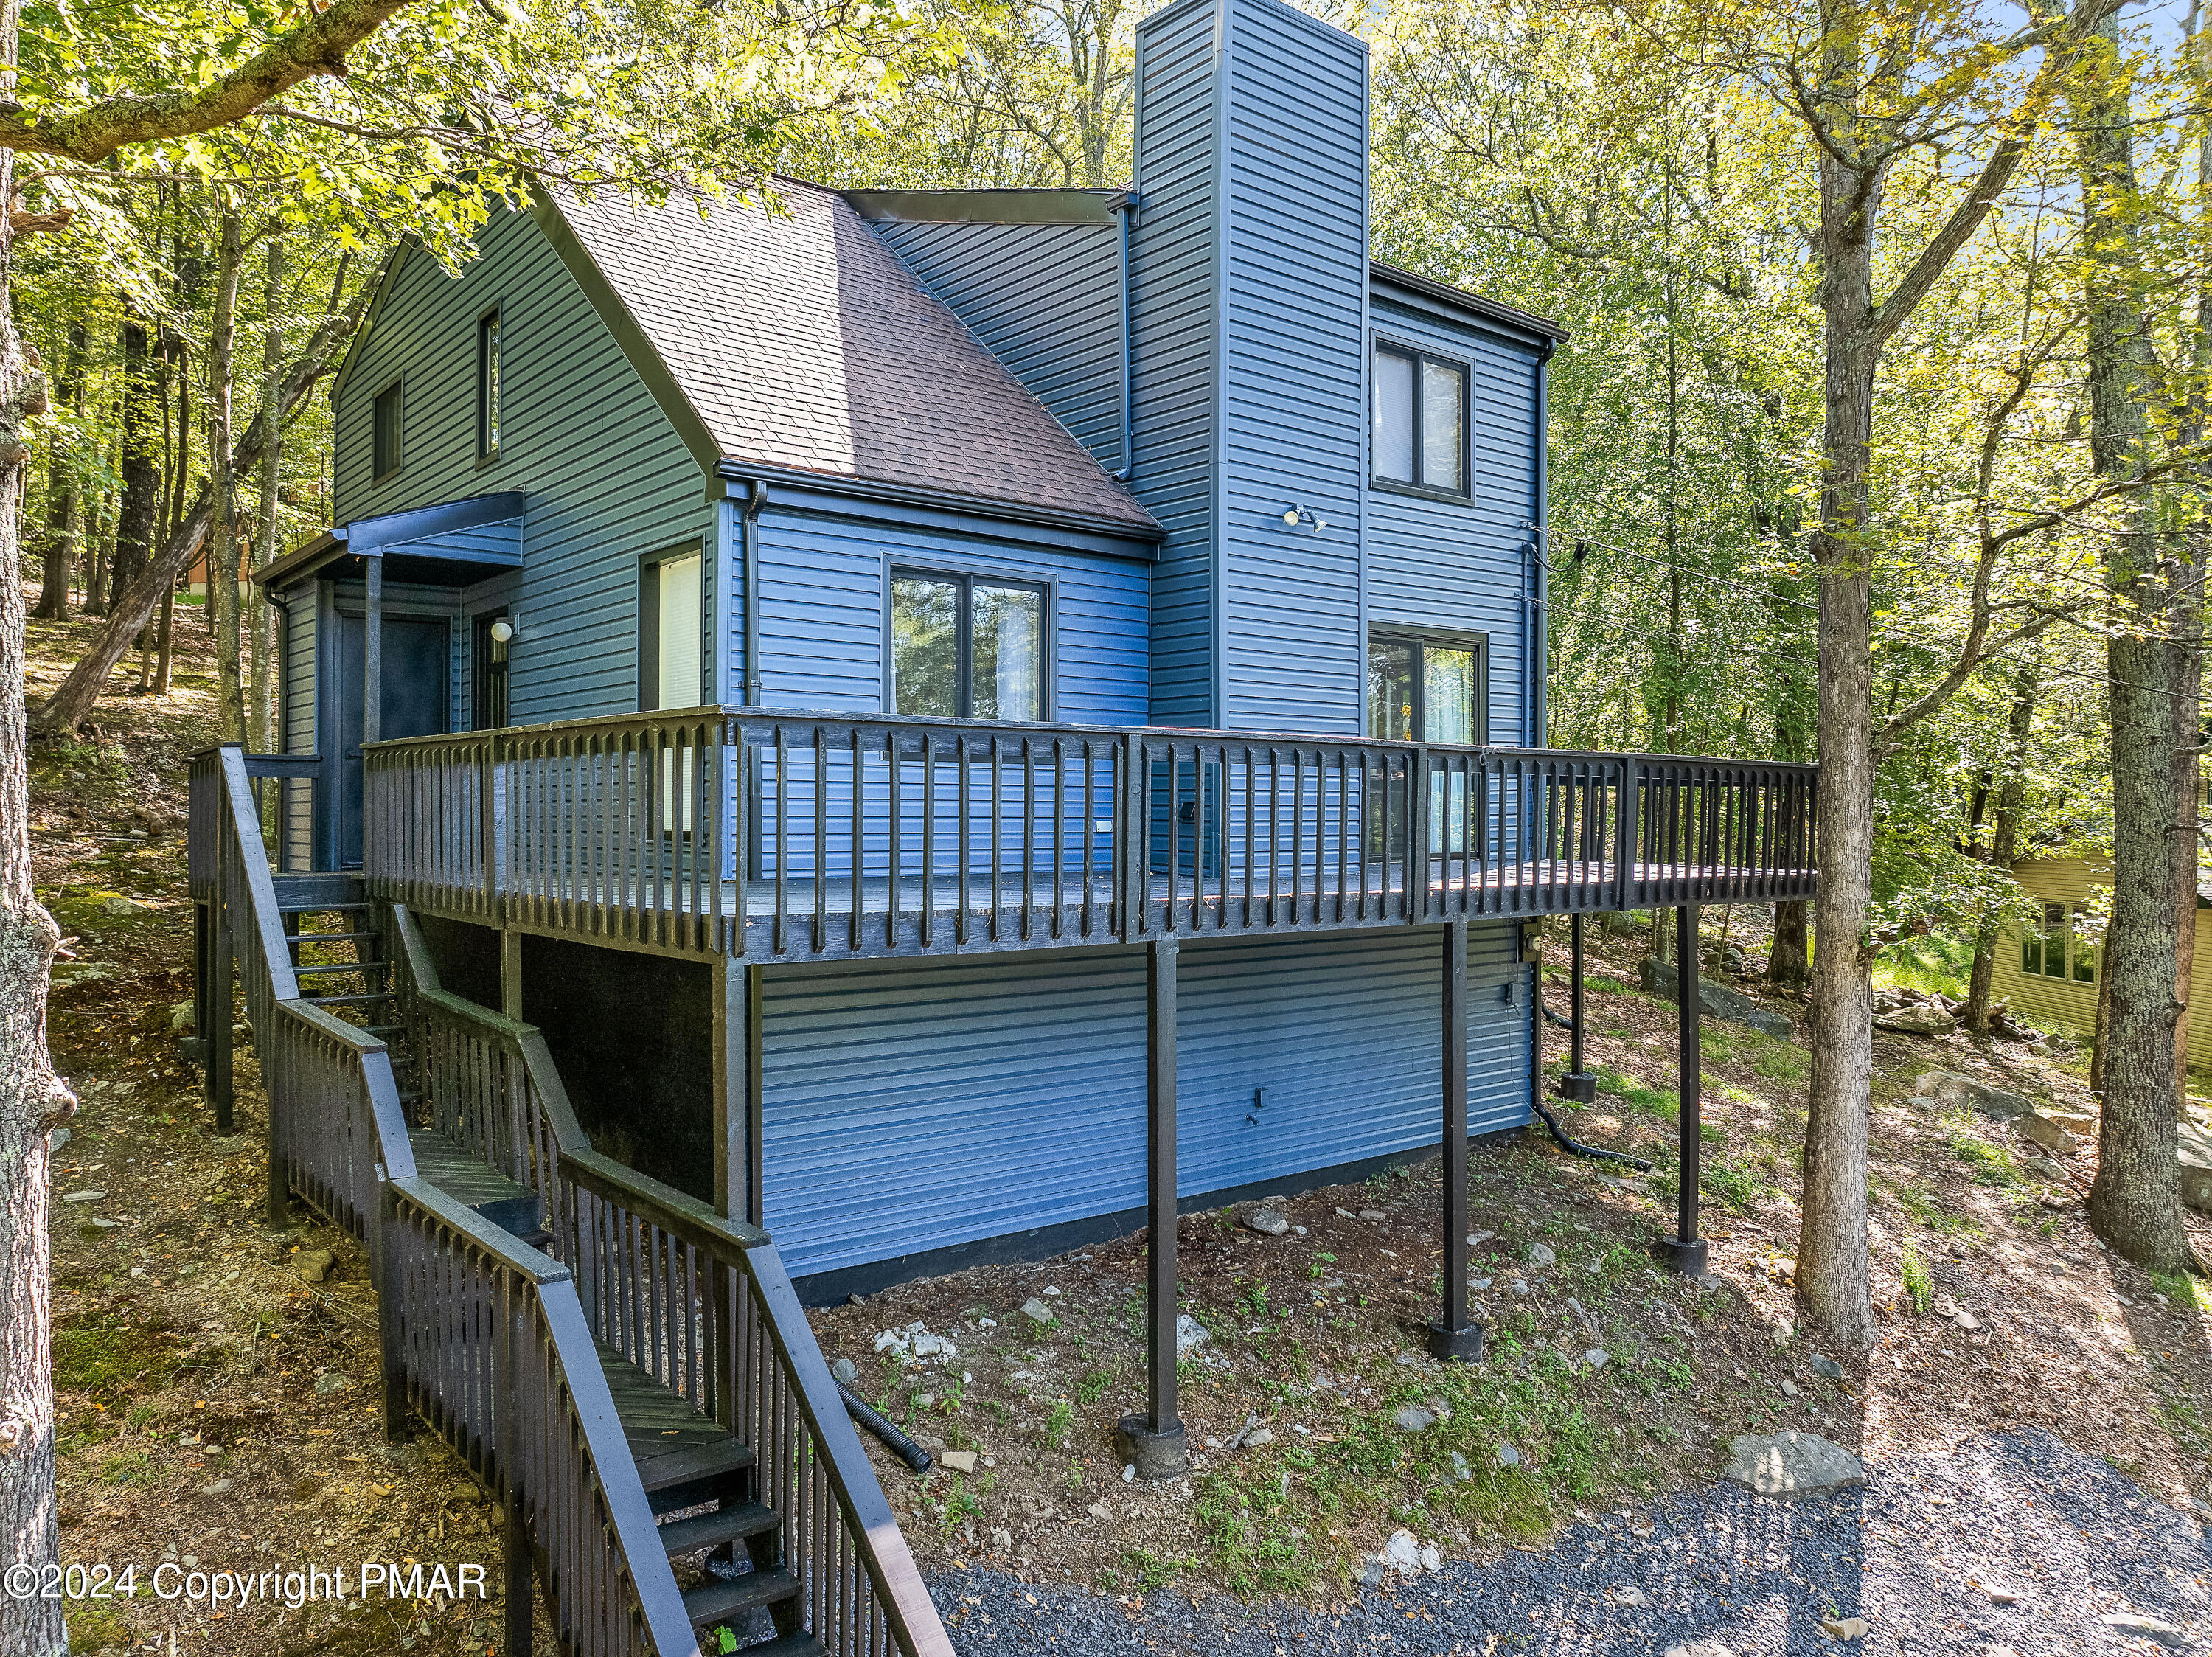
pixel 609 480
pixel 1249 299
pixel 908 1107
pixel 1440 564
pixel 1046 300
pixel 1174 334
pixel 822 572
pixel 1295 262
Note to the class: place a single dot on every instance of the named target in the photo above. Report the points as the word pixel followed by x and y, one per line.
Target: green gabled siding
pixel 609 479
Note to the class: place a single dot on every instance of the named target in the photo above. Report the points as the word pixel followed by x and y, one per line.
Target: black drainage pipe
pixel 901 1446
pixel 1566 1141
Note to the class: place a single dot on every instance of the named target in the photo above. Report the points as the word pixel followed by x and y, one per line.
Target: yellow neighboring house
pixel 2048 977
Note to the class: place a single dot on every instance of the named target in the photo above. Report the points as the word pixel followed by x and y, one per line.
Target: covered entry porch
pixel 393 626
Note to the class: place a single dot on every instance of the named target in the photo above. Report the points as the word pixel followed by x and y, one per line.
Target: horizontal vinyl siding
pixel 1173 339
pixel 608 480
pixel 298 734
pixel 2053 1003
pixel 1046 300
pixel 822 629
pixel 1442 565
pixel 1341 1036
pixel 1295 229
pixel 909 1108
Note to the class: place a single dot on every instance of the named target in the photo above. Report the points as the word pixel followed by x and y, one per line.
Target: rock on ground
pixel 1714 1000
pixel 1792 1465
pixel 2195 1166
pixel 1949 1088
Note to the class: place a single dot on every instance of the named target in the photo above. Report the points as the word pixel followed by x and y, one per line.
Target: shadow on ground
pixel 2009 1541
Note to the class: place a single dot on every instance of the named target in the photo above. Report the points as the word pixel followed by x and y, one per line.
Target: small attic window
pixel 1420 421
pixel 384 442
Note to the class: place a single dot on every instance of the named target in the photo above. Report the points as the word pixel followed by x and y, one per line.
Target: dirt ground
pixel 217 1411
pixel 1609 1381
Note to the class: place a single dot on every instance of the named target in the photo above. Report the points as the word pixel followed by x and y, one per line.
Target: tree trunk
pixel 139 509
pixel 2134 1205
pixel 32 1098
pixel 261 714
pixel 1789 961
pixel 1832 1279
pixel 222 540
pixel 2004 847
pixel 165 638
pixel 64 498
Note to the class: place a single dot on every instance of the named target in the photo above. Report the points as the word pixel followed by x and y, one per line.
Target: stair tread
pixel 687 1463
pixel 341 967
pixel 349 1001
pixel 733 1522
pixel 329 937
pixel 791 1645
pixel 718 1599
pixel 360 908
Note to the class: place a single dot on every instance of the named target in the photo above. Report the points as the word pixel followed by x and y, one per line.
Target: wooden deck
pixel 1014 907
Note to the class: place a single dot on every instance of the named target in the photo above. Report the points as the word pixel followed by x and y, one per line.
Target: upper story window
pixel 1428 690
pixel 1420 421
pixel 671 631
pixel 487 386
pixel 966 647
pixel 384 439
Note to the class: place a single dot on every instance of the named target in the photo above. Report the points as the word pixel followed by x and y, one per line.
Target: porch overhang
pixel 452 544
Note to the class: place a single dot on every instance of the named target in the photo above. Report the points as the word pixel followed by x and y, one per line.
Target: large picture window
pixel 1420 421
pixel 966 647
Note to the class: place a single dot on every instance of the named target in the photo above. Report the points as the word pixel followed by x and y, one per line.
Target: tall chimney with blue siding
pixel 1248 303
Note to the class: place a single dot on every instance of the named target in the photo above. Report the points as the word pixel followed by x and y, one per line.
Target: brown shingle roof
pixel 803 341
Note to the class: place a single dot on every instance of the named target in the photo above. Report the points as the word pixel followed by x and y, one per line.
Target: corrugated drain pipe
pixel 1567 1142
pixel 901 1446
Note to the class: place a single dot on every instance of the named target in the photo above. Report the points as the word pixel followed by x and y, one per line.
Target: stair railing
pixel 482 1335
pixel 702 1303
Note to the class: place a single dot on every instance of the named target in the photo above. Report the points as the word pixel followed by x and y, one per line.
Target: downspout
pixel 749 554
pixel 1536 652
pixel 1123 209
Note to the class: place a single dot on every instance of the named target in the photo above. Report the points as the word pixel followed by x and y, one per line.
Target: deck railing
pixel 790 836
pixel 484 1336
pixel 701 1303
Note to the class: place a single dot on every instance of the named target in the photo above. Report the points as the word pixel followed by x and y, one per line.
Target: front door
pixel 417 701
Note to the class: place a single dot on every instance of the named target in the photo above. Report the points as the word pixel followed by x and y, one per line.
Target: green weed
pixel 1912 1272
pixel 1058 1423
pixel 1992 1165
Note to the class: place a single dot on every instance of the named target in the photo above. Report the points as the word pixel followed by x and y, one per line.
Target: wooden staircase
pixel 726 1546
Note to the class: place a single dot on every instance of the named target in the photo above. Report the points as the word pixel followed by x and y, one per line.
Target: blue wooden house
pixel 967 720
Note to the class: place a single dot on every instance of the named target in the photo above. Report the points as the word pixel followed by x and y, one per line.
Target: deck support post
pixel 1455 1338
pixel 372 650
pixel 1685 1251
pixel 1578 1087
pixel 736 1066
pixel 510 973
pixel 1153 1441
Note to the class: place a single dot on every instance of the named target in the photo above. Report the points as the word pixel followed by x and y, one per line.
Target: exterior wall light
pixel 502 630
pixel 1295 514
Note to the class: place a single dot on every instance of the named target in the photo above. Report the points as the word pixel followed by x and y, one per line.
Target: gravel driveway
pixel 1918 1553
